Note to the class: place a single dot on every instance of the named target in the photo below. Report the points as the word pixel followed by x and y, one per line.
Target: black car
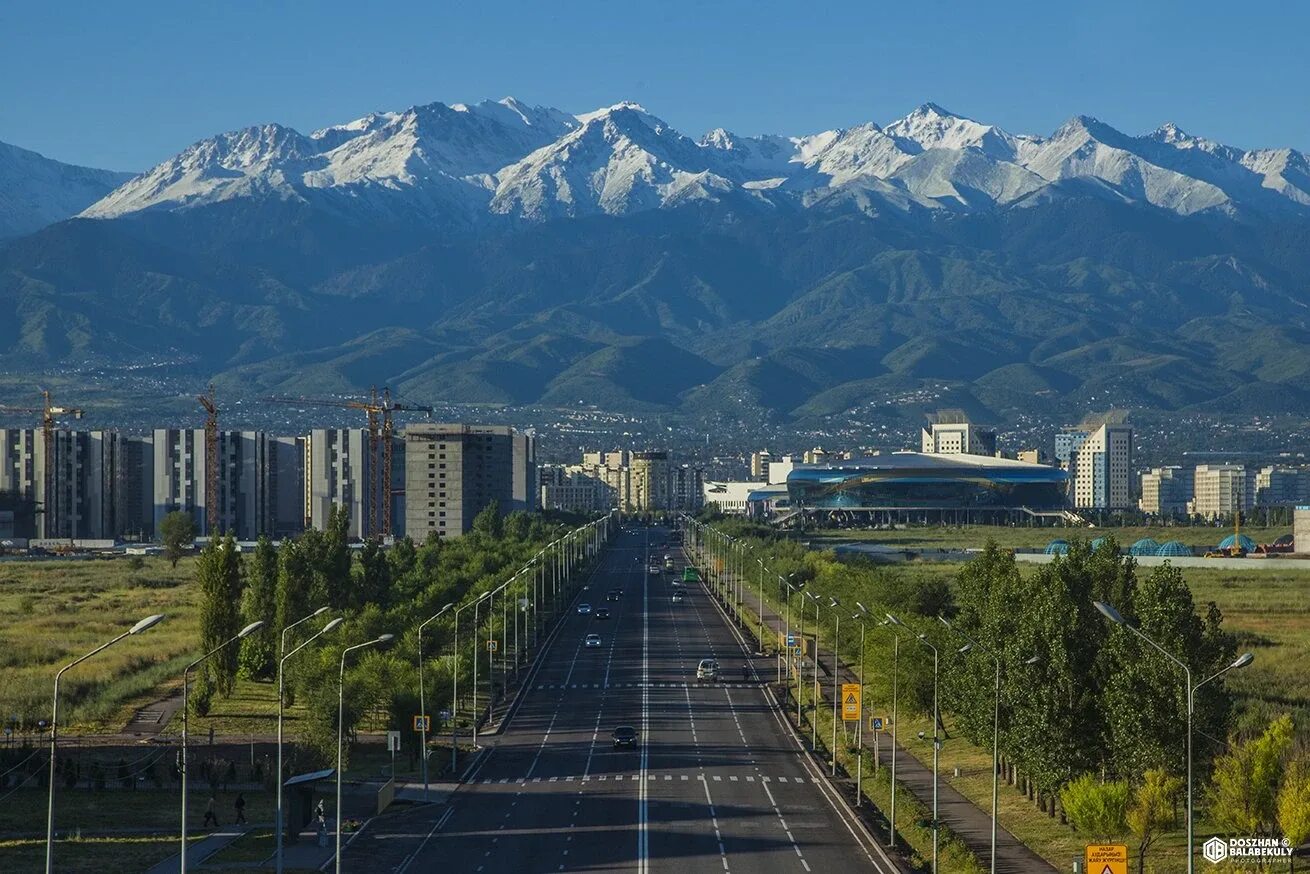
pixel 625 736
pixel 613 594
pixel 601 613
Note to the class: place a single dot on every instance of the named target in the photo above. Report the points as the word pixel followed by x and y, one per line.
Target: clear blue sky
pixel 125 85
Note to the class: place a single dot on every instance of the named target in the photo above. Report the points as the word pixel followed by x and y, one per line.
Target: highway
pixel 717 783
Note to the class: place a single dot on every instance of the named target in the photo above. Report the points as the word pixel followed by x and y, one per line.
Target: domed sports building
pixel 921 486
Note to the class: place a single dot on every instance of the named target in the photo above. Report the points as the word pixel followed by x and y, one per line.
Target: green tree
pixel 1244 787
pixel 294 582
pixel 177 531
pixel 1144 697
pixel 1095 808
pixel 375 577
pixel 219 573
pixel 259 650
pixel 402 557
pixel 334 560
pixel 488 522
pixel 1294 802
pixel 1152 810
pixel 518 525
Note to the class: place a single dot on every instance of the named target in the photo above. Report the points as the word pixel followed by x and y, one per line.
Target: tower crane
pixel 49 414
pixel 208 401
pixel 378 409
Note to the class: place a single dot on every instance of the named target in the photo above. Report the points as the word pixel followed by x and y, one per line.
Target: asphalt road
pixel 717 783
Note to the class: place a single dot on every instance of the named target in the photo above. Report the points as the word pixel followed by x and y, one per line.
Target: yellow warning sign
pixel 1106 859
pixel 850 701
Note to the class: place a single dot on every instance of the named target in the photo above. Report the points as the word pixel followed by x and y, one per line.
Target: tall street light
pixel 277 819
pixel 281 660
pixel 836 696
pixel 148 622
pixel 972 645
pixel 186 691
pixel 422 697
pixel 341 716
pixel 896 721
pixel 1242 661
pixel 859 726
pixel 814 713
pixel 936 748
pixel 454 694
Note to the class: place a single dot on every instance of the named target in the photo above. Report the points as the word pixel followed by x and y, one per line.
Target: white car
pixel 592 640
pixel 584 609
pixel 708 669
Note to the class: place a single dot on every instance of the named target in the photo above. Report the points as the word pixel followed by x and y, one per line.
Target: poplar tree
pixel 259 650
pixel 219 573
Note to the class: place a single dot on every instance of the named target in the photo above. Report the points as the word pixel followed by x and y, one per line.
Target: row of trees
pixel 1092 720
pixel 377 590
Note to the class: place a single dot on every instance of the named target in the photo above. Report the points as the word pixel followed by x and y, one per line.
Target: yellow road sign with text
pixel 1106 859
pixel 850 701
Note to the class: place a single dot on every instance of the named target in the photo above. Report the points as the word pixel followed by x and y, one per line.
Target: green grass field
pixel 57 611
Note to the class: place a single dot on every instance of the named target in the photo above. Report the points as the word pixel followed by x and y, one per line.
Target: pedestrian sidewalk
pixel 971 823
pixel 200 849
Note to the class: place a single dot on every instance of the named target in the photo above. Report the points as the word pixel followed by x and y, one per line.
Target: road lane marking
pixel 643 838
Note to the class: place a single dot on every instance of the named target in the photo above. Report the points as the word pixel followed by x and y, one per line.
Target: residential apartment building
pixel 180 481
pixel 1166 491
pixel 760 465
pixel 650 486
pixel 453 471
pixel 1068 442
pixel 953 436
pixel 1101 470
pixel 1220 490
pixel 1279 487
pixel 574 488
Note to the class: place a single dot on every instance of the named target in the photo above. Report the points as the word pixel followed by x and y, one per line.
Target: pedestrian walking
pixel 210 815
pixel 240 805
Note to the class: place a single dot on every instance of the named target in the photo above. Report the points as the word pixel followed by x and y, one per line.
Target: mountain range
pixel 504 253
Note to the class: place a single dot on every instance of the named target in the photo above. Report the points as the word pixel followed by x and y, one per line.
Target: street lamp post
pixel 148 622
pixel 277 819
pixel 814 712
pixel 281 659
pixel 186 690
pixel 341 716
pixel 1242 661
pixel 836 696
pixel 936 749
pixel 859 726
pixel 422 697
pixel 454 694
pixel 896 721
pixel 969 646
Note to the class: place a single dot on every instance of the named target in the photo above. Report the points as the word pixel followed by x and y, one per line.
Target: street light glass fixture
pixel 1110 613
pixel 148 622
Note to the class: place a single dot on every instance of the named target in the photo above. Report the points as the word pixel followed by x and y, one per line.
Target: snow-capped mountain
pixel 36 191
pixel 429 161
pixel 439 164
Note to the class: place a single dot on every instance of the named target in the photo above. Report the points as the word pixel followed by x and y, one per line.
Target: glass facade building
pixel 912 480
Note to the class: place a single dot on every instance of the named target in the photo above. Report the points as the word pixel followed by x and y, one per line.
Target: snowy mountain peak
pixel 443 164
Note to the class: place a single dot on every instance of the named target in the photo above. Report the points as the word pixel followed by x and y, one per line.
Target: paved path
pixel 971 823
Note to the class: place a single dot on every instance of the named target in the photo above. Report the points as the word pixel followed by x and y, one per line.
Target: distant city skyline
pixel 124 89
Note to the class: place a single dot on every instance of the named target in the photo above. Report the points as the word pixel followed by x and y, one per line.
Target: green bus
pixel 689 575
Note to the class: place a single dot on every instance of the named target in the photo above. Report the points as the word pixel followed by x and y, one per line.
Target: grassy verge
pixel 87 855
pixel 96 812
pixel 254 846
pixel 57 611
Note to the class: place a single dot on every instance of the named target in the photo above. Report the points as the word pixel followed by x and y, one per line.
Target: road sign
pixel 791 638
pixel 850 701
pixel 422 723
pixel 493 645
pixel 876 723
pixel 393 741
pixel 1106 859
